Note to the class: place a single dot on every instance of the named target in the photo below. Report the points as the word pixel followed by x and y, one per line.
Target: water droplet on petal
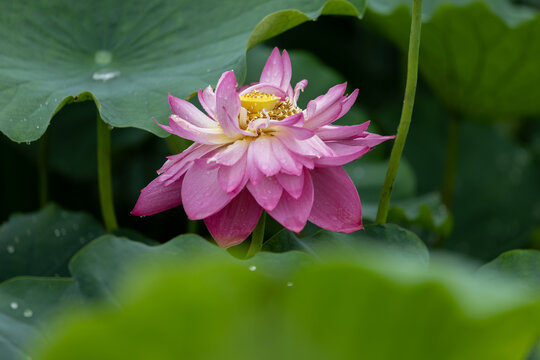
pixel 28 313
pixel 252 268
pixel 14 305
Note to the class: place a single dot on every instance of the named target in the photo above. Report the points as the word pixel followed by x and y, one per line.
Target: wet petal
pixel 264 156
pixel 229 155
pixel 233 224
pixel 277 70
pixel 267 192
pixel 334 132
pixel 231 178
pixel 228 104
pixel 291 183
pixel 157 197
pixel 326 108
pixel 207 98
pixel 202 194
pixel 287 161
pixel 186 130
pixel 337 205
pixel 189 112
pixel 343 154
pixel 293 213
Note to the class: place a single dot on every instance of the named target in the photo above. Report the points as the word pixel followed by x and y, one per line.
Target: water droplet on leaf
pixel 105 75
pixel 14 305
pixel 252 268
pixel 28 313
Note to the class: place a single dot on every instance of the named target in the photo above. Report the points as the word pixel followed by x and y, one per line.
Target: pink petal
pixel 293 213
pixel 293 120
pixel 234 222
pixel 208 136
pixel 343 154
pixel 157 197
pixel 267 192
pixel 371 140
pixel 334 132
pixel 326 108
pixel 287 161
pixel 273 71
pixel 189 112
pixel 253 172
pixel 229 155
pixel 312 147
pixel 207 98
pixel 228 104
pixel 201 193
pixel 348 103
pixel 287 71
pixel 337 205
pixel 264 156
pixel 292 184
pixel 172 170
pixel 300 86
pixel 231 178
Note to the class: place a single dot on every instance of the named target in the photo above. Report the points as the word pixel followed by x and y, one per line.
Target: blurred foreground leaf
pixel 127 56
pixel 523 264
pixel 102 263
pixel 344 306
pixel 42 243
pixel 389 237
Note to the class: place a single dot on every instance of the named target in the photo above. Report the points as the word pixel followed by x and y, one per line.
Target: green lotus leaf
pixel 126 56
pixel 42 243
pixel 480 57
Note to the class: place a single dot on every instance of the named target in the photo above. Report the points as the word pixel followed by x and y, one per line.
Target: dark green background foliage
pixel 468 186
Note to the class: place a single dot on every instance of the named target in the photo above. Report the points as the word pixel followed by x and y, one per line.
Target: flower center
pixel 255 102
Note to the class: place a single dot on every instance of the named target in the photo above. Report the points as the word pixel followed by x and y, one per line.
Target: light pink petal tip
pixel 157 197
pixel 234 222
pixel 189 112
pixel 337 205
pixel 277 70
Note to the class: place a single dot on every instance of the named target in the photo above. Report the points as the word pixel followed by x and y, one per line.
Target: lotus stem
pixel 406 112
pixel 257 237
pixel 104 175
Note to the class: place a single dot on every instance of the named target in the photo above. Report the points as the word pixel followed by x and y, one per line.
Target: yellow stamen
pixel 256 101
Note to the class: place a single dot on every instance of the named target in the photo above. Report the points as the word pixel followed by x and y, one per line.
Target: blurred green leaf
pixel 497 198
pixel 26 306
pixel 426 211
pixel 126 56
pixel 480 57
pixel 523 264
pixel 98 267
pixel 42 243
pixel 346 306
pixel 389 236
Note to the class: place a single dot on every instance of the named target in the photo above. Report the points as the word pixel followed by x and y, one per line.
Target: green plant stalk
pixel 406 112
pixel 43 173
pixel 450 165
pixel 257 237
pixel 104 175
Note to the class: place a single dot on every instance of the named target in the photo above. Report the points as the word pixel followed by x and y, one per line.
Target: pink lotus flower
pixel 254 149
